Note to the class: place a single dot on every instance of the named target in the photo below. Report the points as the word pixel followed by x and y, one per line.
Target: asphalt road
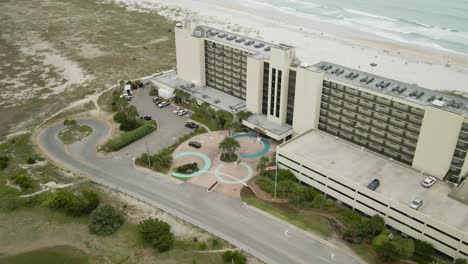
pixel 264 237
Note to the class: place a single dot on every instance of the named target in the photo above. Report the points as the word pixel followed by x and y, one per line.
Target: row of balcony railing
pixel 383 102
pixel 381 148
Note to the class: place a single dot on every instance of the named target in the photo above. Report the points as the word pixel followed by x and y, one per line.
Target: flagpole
pixel 276 179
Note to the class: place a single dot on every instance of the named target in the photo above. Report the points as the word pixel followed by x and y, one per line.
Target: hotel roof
pixel 259 48
pixel 402 90
pixel 399 183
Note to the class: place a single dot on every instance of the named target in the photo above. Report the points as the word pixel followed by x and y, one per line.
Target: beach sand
pixel 318 40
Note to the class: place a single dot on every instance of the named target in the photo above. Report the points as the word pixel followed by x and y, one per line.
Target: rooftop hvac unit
pixel 213 33
pixel 349 75
pixel 364 79
pixel 231 38
pixel 223 35
pixel 432 98
pixel 339 72
pixel 419 95
pixel 370 80
pixel 240 40
pixel 267 49
pixel 250 42
pixel 354 76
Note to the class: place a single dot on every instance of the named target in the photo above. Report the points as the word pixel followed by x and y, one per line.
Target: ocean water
pixel 441 24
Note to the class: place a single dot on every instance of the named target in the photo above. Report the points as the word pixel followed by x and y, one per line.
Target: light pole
pixel 276 178
pixel 147 152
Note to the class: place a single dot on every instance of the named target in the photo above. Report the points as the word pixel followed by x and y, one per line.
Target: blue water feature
pixel 266 146
pixel 205 168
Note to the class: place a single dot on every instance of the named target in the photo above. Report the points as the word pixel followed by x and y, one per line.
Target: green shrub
pixel 154 92
pixel 127 138
pixel 214 242
pixel 4 161
pixel 202 245
pixel 460 261
pixel 23 180
pixel 74 204
pixel 105 220
pixel 395 249
pixel 129 125
pixel 31 160
pixel 423 251
pixel 187 168
pixel 234 257
pixel 163 160
pixel 157 233
pixel 120 117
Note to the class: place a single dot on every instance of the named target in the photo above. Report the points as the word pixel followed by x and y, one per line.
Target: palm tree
pixel 262 164
pixel 66 123
pixel 243 115
pixel 132 113
pixel 229 145
pixel 73 124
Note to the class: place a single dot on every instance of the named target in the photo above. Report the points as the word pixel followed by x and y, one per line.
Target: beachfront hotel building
pixel 340 128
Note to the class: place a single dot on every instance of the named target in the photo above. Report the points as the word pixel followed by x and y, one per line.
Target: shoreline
pixel 319 40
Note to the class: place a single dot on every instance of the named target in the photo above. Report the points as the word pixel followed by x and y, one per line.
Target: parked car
pixel 158 101
pixel 191 125
pixel 146 117
pixel 374 184
pixel 428 182
pixel 194 144
pixel 182 112
pixel 163 104
pixel 177 110
pixel 416 204
pixel 157 98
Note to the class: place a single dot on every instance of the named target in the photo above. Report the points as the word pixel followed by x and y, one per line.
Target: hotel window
pixel 278 93
pixel 272 91
pixel 291 96
pixel 266 75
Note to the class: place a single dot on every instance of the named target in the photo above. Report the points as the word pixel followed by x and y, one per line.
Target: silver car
pixel 416 204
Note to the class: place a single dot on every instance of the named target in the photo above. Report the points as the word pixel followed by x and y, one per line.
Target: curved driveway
pixel 264 237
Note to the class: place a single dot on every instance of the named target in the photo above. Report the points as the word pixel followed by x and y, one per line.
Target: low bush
pixel 187 168
pixel 31 161
pixel 127 138
pixel 23 180
pixel 154 92
pixel 105 220
pixel 226 158
pixel 234 257
pixel 202 245
pixel 129 125
pixel 74 203
pixel 4 161
pixel 157 233
pixel 395 249
pixel 162 161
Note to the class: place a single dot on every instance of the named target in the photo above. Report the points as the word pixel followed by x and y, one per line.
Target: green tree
pixel 374 225
pixel 389 252
pixel 105 220
pixel 423 251
pixel 243 115
pixel 320 202
pixel 262 164
pixel 132 113
pixel 229 146
pixel 181 96
pixel 461 261
pixel 157 233
pixel 286 188
pixel 67 123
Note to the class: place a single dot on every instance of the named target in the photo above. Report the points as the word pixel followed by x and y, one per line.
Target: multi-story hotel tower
pixel 341 128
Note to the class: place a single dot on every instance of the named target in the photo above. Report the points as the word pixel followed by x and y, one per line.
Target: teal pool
pixel 266 146
pixel 206 167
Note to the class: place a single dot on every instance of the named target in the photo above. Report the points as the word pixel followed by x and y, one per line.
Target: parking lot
pixel 170 126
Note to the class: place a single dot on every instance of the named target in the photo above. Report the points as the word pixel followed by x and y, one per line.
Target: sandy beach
pixel 318 40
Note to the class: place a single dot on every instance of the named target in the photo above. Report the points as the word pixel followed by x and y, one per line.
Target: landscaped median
pixel 129 137
pixel 162 161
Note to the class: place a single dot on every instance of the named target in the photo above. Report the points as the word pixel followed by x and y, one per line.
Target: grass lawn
pixel 52 255
pixel 42 234
pixel 212 124
pixel 305 220
pixel 71 136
